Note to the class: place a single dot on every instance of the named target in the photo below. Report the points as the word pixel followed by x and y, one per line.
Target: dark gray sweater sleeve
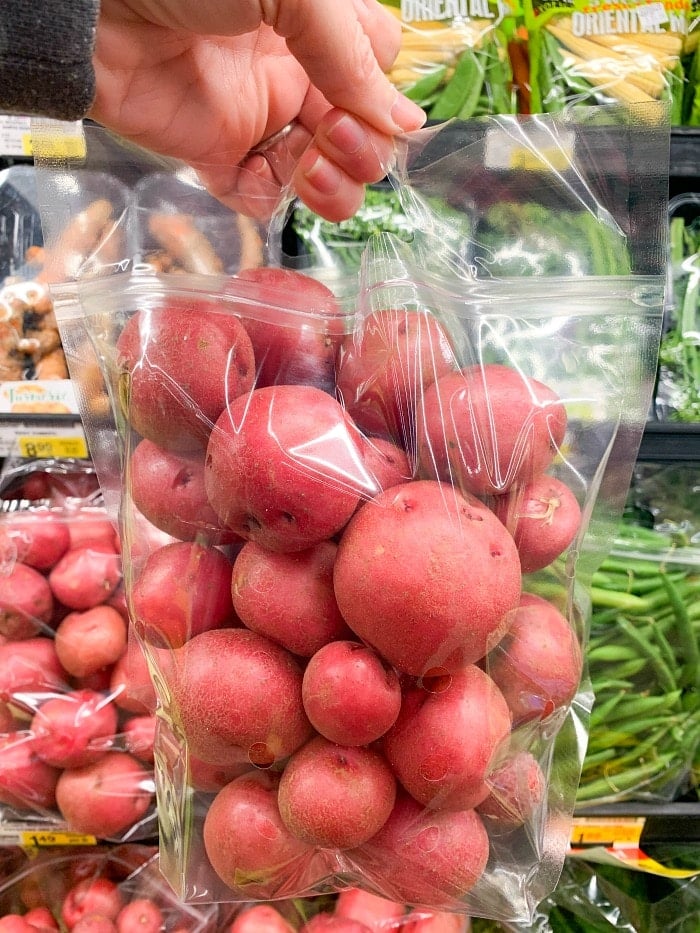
pixel 46 51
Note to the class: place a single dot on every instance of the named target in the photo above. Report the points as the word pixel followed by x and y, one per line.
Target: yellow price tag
pixel 39 447
pixel 621 830
pixel 26 143
pixel 530 160
pixel 40 839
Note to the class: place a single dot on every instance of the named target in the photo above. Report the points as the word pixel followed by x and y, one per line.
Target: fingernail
pixel 323 175
pixel 406 114
pixel 347 135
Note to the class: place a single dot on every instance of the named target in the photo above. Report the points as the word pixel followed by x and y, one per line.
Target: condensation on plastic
pixel 74 700
pixel 579 352
pixel 45 878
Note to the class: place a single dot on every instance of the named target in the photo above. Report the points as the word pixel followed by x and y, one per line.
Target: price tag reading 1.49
pixel 41 840
pixel 39 447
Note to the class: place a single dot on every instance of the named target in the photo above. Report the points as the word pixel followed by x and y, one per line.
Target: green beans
pixel 644 667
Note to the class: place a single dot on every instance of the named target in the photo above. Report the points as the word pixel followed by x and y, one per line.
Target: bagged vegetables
pixel 386 504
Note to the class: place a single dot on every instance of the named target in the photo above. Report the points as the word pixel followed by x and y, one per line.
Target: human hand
pixel 209 81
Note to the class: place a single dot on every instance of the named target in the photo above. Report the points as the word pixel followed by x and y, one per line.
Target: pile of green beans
pixel 644 664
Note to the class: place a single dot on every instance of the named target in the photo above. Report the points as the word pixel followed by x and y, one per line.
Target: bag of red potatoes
pixel 366 632
pixel 77 705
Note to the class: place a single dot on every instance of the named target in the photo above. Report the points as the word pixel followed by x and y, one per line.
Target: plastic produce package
pixel 76 708
pixel 385 509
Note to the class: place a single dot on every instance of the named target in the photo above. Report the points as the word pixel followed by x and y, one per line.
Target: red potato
pixel 107 797
pixel 88 641
pixel 427 858
pixel 38 538
pixel 167 487
pixel 15 923
pixel 131 684
pixel 324 922
pixel 295 324
pixel 141 915
pixel 95 923
pixel 487 427
pixel 517 788
pixel 26 602
pixel 386 462
pixel 138 735
pixel 42 919
pixel 288 597
pixel 447 737
pixel 260 918
pixel 182 362
pixel 303 452
pixel 91 896
pixel 254 864
pixel 427 577
pixel 383 371
pixel 335 796
pixel 211 778
pixel 544 518
pixel 90 528
pixel 350 695
pixel 86 576
pixel 182 590
pixel 254 677
pixel 74 729
pixel 436 921
pixel 373 911
pixel 538 664
pixel 30 667
pixel 26 782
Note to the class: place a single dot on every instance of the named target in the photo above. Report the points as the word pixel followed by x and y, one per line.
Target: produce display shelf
pixel 668 442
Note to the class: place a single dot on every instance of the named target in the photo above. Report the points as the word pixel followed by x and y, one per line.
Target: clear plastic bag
pixel 364 489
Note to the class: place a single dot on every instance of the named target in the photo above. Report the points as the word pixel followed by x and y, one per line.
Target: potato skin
pixel 427 577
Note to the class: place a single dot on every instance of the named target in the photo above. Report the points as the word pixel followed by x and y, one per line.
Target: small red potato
pixel 430 858
pixel 138 735
pixel 386 462
pixel 74 729
pixel 15 923
pixel 382 371
pixel 30 666
pixel 427 577
pixel 211 778
pixel 436 921
pixel 288 597
pixel 167 487
pixel 537 665
pixel 324 922
pixel 447 737
pixel 131 685
pixel 303 452
pixel 543 516
pixel 26 602
pixel 260 918
pixel 95 923
pixel 227 670
pixel 517 788
pixel 90 528
pixel 295 325
pixel 335 796
pixel 107 797
pixel 26 782
pixel 252 863
pixel 182 590
pixel 86 576
pixel 350 695
pixel 373 911
pixel 38 538
pixel 487 427
pixel 91 896
pixel 182 362
pixel 141 915
pixel 88 641
pixel 41 918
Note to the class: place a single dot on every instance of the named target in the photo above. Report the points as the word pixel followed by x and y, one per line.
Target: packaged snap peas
pixel 582 53
pixel 454 59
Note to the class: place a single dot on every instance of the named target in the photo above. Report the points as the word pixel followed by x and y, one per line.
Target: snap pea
pixel 626 780
pixel 461 93
pixel 426 86
pixel 651 653
pixel 632 707
pixel 686 635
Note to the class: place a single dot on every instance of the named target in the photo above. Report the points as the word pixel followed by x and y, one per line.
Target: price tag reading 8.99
pixel 40 447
